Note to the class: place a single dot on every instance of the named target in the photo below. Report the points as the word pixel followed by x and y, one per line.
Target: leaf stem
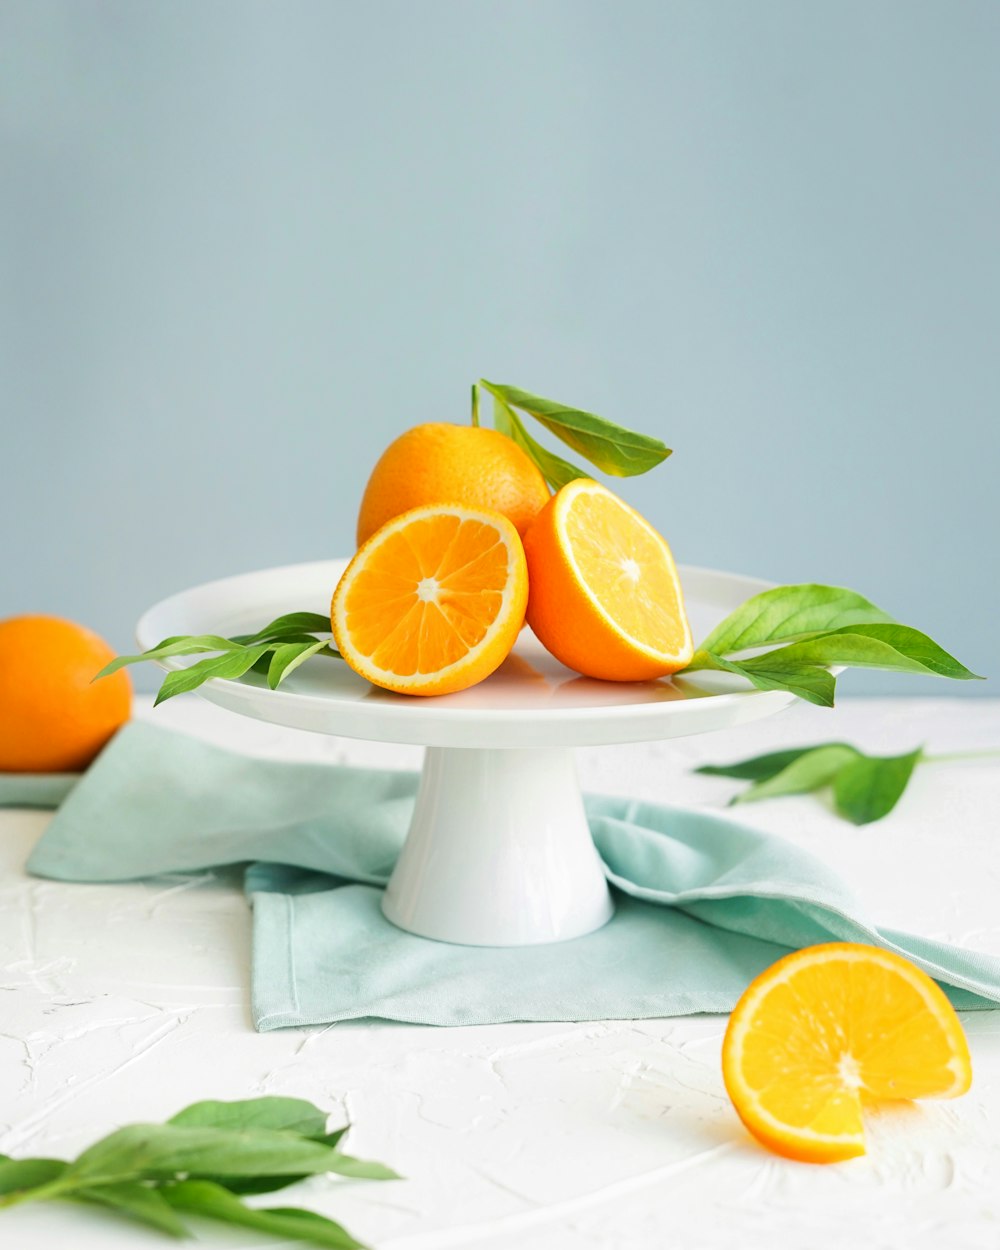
pixel 948 756
pixel 475 405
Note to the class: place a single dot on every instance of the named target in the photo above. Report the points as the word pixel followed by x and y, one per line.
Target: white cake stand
pixel 498 852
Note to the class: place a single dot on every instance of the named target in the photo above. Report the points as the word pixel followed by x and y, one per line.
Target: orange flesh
pixel 621 561
pixel 828 1028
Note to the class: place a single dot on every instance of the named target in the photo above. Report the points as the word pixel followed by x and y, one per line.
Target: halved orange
pixel 605 597
pixel 828 1028
pixel 433 601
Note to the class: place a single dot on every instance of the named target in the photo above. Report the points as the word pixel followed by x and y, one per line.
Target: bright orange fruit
pixel 434 601
pixel 52 720
pixel 605 596
pixel 463 464
pixel 826 1029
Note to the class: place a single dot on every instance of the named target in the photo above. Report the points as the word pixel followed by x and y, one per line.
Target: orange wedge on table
pixel 434 601
pixel 605 596
pixel 828 1028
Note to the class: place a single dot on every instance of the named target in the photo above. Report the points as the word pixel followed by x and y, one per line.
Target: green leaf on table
pixel 18 1176
pixel 166 1150
pixel 137 1201
pixel 612 448
pixel 811 771
pixel 865 787
pixel 288 1115
pixel 214 1202
pixel 556 471
pixel 870 787
pixel 786 613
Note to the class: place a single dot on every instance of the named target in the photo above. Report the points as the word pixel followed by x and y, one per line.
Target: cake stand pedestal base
pixel 499 852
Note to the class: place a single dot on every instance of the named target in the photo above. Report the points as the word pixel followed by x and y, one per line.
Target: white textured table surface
pixel 123 1003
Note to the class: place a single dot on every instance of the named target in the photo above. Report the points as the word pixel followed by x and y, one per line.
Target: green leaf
pixel 807 681
pixel 287 657
pixel 290 625
pixel 758 767
pixel 152 1151
pixel 231 665
pixel 870 787
pixel 212 1201
pixel 137 1201
pixel 19 1176
pixel 289 1115
pixel 179 645
pixel 284 1114
pixel 888 646
pixel 556 471
pixel 612 448
pixel 816 768
pixel 785 613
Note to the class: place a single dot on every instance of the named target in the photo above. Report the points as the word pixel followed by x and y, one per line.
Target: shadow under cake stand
pixel 498 852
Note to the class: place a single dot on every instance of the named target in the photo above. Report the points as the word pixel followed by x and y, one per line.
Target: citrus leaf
pixel 890 646
pixel 138 1202
pixel 180 645
pixel 786 613
pixel 231 665
pixel 19 1176
pixel 758 767
pixel 816 768
pixel 212 1201
pixel 807 681
pixel 612 448
pixel 289 625
pixel 556 471
pixel 289 1115
pixel 287 657
pixel 871 786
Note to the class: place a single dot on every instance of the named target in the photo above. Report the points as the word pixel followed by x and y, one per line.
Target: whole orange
pixel 438 463
pixel 52 720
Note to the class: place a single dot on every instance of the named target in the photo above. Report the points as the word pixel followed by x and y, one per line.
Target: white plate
pixel 531 701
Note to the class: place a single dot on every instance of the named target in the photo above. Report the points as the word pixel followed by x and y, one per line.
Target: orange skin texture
pixel 51 718
pixel 439 463
pixel 565 620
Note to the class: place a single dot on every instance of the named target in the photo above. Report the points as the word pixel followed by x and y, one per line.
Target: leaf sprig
pixel 609 447
pixel 810 628
pixel 200 1162
pixel 864 787
pixel 276 650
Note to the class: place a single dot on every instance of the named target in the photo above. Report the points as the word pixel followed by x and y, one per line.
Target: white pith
pixel 849 1072
pixel 566 499
pixel 427 592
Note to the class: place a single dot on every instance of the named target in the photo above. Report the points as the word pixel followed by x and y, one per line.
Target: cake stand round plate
pixel 498 852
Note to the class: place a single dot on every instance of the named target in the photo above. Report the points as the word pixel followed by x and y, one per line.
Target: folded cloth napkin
pixel 702 903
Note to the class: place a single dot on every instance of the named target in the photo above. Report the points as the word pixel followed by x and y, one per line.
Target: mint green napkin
pixel 702 903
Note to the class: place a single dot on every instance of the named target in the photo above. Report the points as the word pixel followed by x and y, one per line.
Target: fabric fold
pixel 703 903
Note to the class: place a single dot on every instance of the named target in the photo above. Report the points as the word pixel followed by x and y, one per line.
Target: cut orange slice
pixel 433 601
pixel 605 596
pixel 827 1028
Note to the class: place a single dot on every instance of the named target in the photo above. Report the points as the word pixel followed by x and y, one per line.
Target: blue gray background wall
pixel 244 243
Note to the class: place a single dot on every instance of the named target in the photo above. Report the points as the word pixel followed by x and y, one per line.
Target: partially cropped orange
pixel 825 1030
pixel 461 464
pixel 51 718
pixel 605 596
pixel 434 601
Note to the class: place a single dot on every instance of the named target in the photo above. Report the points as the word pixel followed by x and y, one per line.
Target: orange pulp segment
pixel 829 1027
pixel 605 596
pixel 433 601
